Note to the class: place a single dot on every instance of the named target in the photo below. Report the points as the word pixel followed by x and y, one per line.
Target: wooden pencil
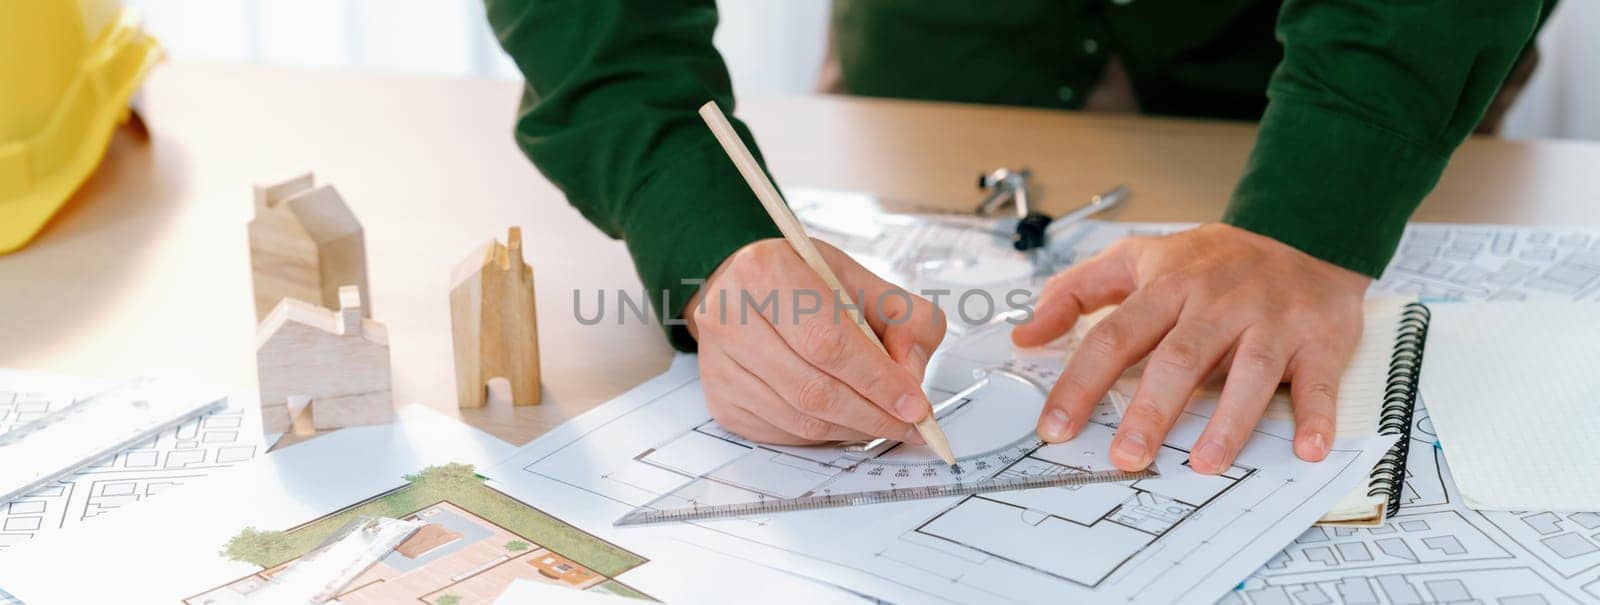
pixel 796 235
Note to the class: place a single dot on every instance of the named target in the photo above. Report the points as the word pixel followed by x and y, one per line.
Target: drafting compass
pixel 1031 230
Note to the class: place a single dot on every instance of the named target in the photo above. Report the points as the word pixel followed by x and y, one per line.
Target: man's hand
pixel 1211 297
pixel 798 371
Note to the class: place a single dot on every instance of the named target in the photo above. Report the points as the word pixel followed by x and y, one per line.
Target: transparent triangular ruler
pixel 646 515
pixel 990 424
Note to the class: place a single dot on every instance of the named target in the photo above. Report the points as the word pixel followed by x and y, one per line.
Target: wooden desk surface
pixel 147 267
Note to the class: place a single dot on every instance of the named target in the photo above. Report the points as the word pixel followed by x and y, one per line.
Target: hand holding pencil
pixel 811 378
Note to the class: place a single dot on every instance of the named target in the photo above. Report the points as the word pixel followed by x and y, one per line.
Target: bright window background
pixel 771 46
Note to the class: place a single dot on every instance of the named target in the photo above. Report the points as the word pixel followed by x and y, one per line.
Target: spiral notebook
pixel 1378 391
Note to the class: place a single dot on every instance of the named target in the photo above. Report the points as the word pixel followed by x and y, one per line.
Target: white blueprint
pixel 173 552
pixel 1180 537
pixel 1488 262
pixel 1435 261
pixel 194 449
pixel 1437 549
pixel 171 548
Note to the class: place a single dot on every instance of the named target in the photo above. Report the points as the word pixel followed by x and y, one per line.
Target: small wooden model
pixel 337 360
pixel 304 244
pixel 492 323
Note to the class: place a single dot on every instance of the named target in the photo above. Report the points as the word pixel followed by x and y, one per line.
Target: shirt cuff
pixel 1332 185
pixel 689 216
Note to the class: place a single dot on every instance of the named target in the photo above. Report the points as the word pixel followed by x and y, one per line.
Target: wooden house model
pixel 304 244
pixel 337 360
pixel 492 323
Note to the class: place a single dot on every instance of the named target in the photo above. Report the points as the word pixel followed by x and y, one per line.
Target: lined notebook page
pixel 1514 393
pixel 1361 394
pixel 1362 387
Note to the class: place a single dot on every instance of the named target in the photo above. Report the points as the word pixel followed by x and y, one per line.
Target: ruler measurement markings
pixel 905 494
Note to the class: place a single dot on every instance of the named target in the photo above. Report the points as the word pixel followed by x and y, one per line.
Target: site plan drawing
pixel 192 450
pixel 180 540
pixel 474 543
pixel 1436 550
pixel 1483 262
pixel 1435 261
pixel 223 538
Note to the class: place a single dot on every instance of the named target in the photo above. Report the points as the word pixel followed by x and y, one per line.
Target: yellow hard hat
pixel 67 70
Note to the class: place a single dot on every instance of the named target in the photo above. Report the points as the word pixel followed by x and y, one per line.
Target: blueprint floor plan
pixel 1180 536
pixel 191 450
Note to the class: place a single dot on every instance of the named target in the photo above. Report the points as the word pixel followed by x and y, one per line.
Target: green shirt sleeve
pixel 608 115
pixel 1369 102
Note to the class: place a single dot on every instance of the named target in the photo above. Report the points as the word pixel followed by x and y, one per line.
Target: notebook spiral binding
pixel 1399 402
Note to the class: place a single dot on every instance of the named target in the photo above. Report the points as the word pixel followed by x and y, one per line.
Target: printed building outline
pixel 460 556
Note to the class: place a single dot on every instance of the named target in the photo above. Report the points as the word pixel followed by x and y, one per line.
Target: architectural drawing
pixel 1477 262
pixel 227 536
pixel 1434 261
pixel 191 450
pixel 717 467
pixel 1025 528
pixel 1508 586
pixel 1490 557
pixel 1179 536
pixel 474 544
pixel 1437 550
pixel 946 249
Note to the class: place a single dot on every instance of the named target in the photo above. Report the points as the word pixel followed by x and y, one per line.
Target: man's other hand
pixel 782 363
pixel 1211 297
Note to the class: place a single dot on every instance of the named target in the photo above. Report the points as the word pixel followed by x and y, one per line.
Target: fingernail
pixel 1131 448
pixel 1208 457
pixel 913 436
pixel 910 408
pixel 1053 427
pixel 1313 447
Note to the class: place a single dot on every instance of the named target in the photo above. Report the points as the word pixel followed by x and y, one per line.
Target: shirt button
pixel 1091 46
pixel 1065 94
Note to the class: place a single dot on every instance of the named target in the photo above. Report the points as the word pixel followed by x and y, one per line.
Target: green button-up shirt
pixel 1361 102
